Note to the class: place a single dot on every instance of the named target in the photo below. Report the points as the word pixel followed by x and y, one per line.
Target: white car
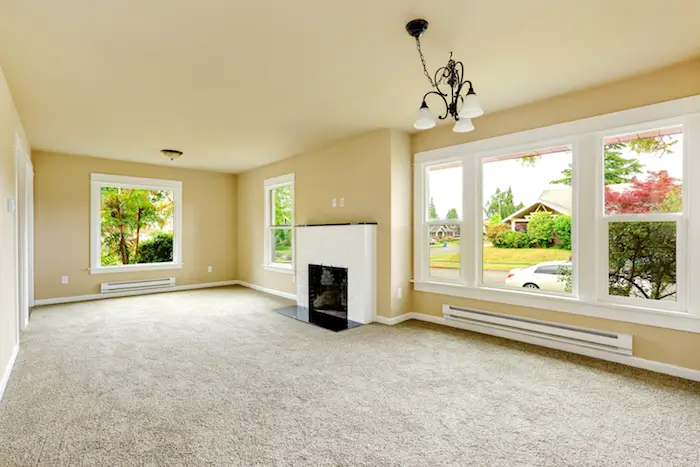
pixel 545 276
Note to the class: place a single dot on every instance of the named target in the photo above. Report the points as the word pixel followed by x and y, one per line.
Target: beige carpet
pixel 214 378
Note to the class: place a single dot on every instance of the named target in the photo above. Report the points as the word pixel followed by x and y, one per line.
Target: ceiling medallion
pixel 450 78
pixel 171 154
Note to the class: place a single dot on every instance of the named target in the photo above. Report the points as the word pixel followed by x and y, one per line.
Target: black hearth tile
pixel 317 318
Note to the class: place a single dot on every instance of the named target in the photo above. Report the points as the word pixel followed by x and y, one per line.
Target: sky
pixel 528 182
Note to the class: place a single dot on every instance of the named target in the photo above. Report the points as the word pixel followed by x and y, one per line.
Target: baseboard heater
pixel 545 333
pixel 130 286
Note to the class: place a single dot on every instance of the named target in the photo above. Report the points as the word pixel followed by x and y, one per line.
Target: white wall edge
pixel 99 296
pixel 259 288
pixel 8 370
pixel 650 365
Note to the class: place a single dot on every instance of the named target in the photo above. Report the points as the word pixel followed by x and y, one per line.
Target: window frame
pixel 97 181
pixel 680 219
pixel 271 184
pixel 586 140
pixel 529 147
pixel 430 222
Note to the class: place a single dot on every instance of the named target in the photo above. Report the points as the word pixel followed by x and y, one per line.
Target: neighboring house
pixel 447 230
pixel 555 201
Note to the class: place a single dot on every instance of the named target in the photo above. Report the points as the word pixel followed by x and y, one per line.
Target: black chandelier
pixel 461 107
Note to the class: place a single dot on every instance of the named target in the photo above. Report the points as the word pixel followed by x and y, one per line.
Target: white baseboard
pixel 8 370
pixel 394 320
pixel 651 365
pixel 260 288
pixel 99 296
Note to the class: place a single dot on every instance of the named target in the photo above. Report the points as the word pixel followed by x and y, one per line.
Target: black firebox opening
pixel 328 292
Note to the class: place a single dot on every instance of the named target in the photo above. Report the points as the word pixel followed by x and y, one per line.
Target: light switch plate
pixel 333 203
pixel 342 202
pixel 11 205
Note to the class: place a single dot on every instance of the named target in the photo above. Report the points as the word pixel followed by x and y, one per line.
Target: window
pixel 279 223
pixel 527 213
pixel 444 220
pixel 135 224
pixel 593 217
pixel 643 213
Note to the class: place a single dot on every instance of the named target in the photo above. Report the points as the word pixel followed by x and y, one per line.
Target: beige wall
pixel 62 223
pixel 401 226
pixel 358 169
pixel 682 80
pixel 10 125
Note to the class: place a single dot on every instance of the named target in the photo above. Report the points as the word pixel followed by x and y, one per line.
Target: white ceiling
pixel 238 84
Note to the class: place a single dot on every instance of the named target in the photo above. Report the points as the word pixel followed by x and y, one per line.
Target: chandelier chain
pixel 425 68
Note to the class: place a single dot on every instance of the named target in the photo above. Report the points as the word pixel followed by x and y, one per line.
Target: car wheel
pixel 530 285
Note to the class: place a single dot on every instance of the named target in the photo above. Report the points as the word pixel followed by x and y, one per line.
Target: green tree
pixel 495 219
pixel 642 259
pixel 620 169
pixel 432 211
pixel 501 203
pixel 540 229
pixel 562 228
pixel 452 214
pixel 282 202
pixel 125 213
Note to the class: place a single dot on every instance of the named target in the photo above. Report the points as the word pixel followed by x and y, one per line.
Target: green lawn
pixel 502 259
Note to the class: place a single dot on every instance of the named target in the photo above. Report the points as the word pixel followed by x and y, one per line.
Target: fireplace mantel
pixel 351 246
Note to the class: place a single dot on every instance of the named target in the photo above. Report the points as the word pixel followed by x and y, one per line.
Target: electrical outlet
pixel 333 203
pixel 342 202
pixel 399 292
pixel 64 280
pixel 210 269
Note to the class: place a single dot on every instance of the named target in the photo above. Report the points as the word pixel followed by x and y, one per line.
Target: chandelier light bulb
pixel 425 119
pixel 471 107
pixel 463 125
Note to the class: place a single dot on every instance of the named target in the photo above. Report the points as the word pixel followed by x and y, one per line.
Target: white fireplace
pixel 349 246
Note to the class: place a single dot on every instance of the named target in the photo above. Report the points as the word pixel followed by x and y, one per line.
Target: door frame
pixel 24 234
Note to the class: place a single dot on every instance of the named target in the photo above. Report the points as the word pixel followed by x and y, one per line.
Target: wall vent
pixel 129 286
pixel 545 333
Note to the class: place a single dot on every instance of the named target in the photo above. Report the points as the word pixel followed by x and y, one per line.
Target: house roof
pixel 556 199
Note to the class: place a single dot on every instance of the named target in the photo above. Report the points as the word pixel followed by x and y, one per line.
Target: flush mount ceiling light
pixel 450 78
pixel 171 154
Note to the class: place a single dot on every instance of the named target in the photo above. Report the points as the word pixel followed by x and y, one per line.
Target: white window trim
pixel 269 265
pixel 585 136
pixel 97 181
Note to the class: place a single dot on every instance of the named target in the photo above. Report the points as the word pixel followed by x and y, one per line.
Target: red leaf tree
pixel 644 196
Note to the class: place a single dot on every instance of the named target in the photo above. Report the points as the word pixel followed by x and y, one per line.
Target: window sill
pixel 632 314
pixel 135 268
pixel 279 268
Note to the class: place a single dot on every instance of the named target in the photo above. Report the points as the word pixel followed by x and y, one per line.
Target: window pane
pixel 136 226
pixel 445 191
pixel 282 246
pixel 444 251
pixel 642 260
pixel 644 171
pixel 281 199
pixel 527 220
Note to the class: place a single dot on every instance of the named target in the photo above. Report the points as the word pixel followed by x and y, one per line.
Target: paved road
pixel 490 277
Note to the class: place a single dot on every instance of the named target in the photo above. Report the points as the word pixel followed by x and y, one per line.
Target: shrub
pixel 495 219
pixel 562 229
pixel 513 239
pixel 540 229
pixel 157 249
pixel 495 234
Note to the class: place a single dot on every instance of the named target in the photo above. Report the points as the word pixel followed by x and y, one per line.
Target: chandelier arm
pixel 442 95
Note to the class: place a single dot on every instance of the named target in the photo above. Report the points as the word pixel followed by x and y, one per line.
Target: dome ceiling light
pixel 171 154
pixel 450 78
